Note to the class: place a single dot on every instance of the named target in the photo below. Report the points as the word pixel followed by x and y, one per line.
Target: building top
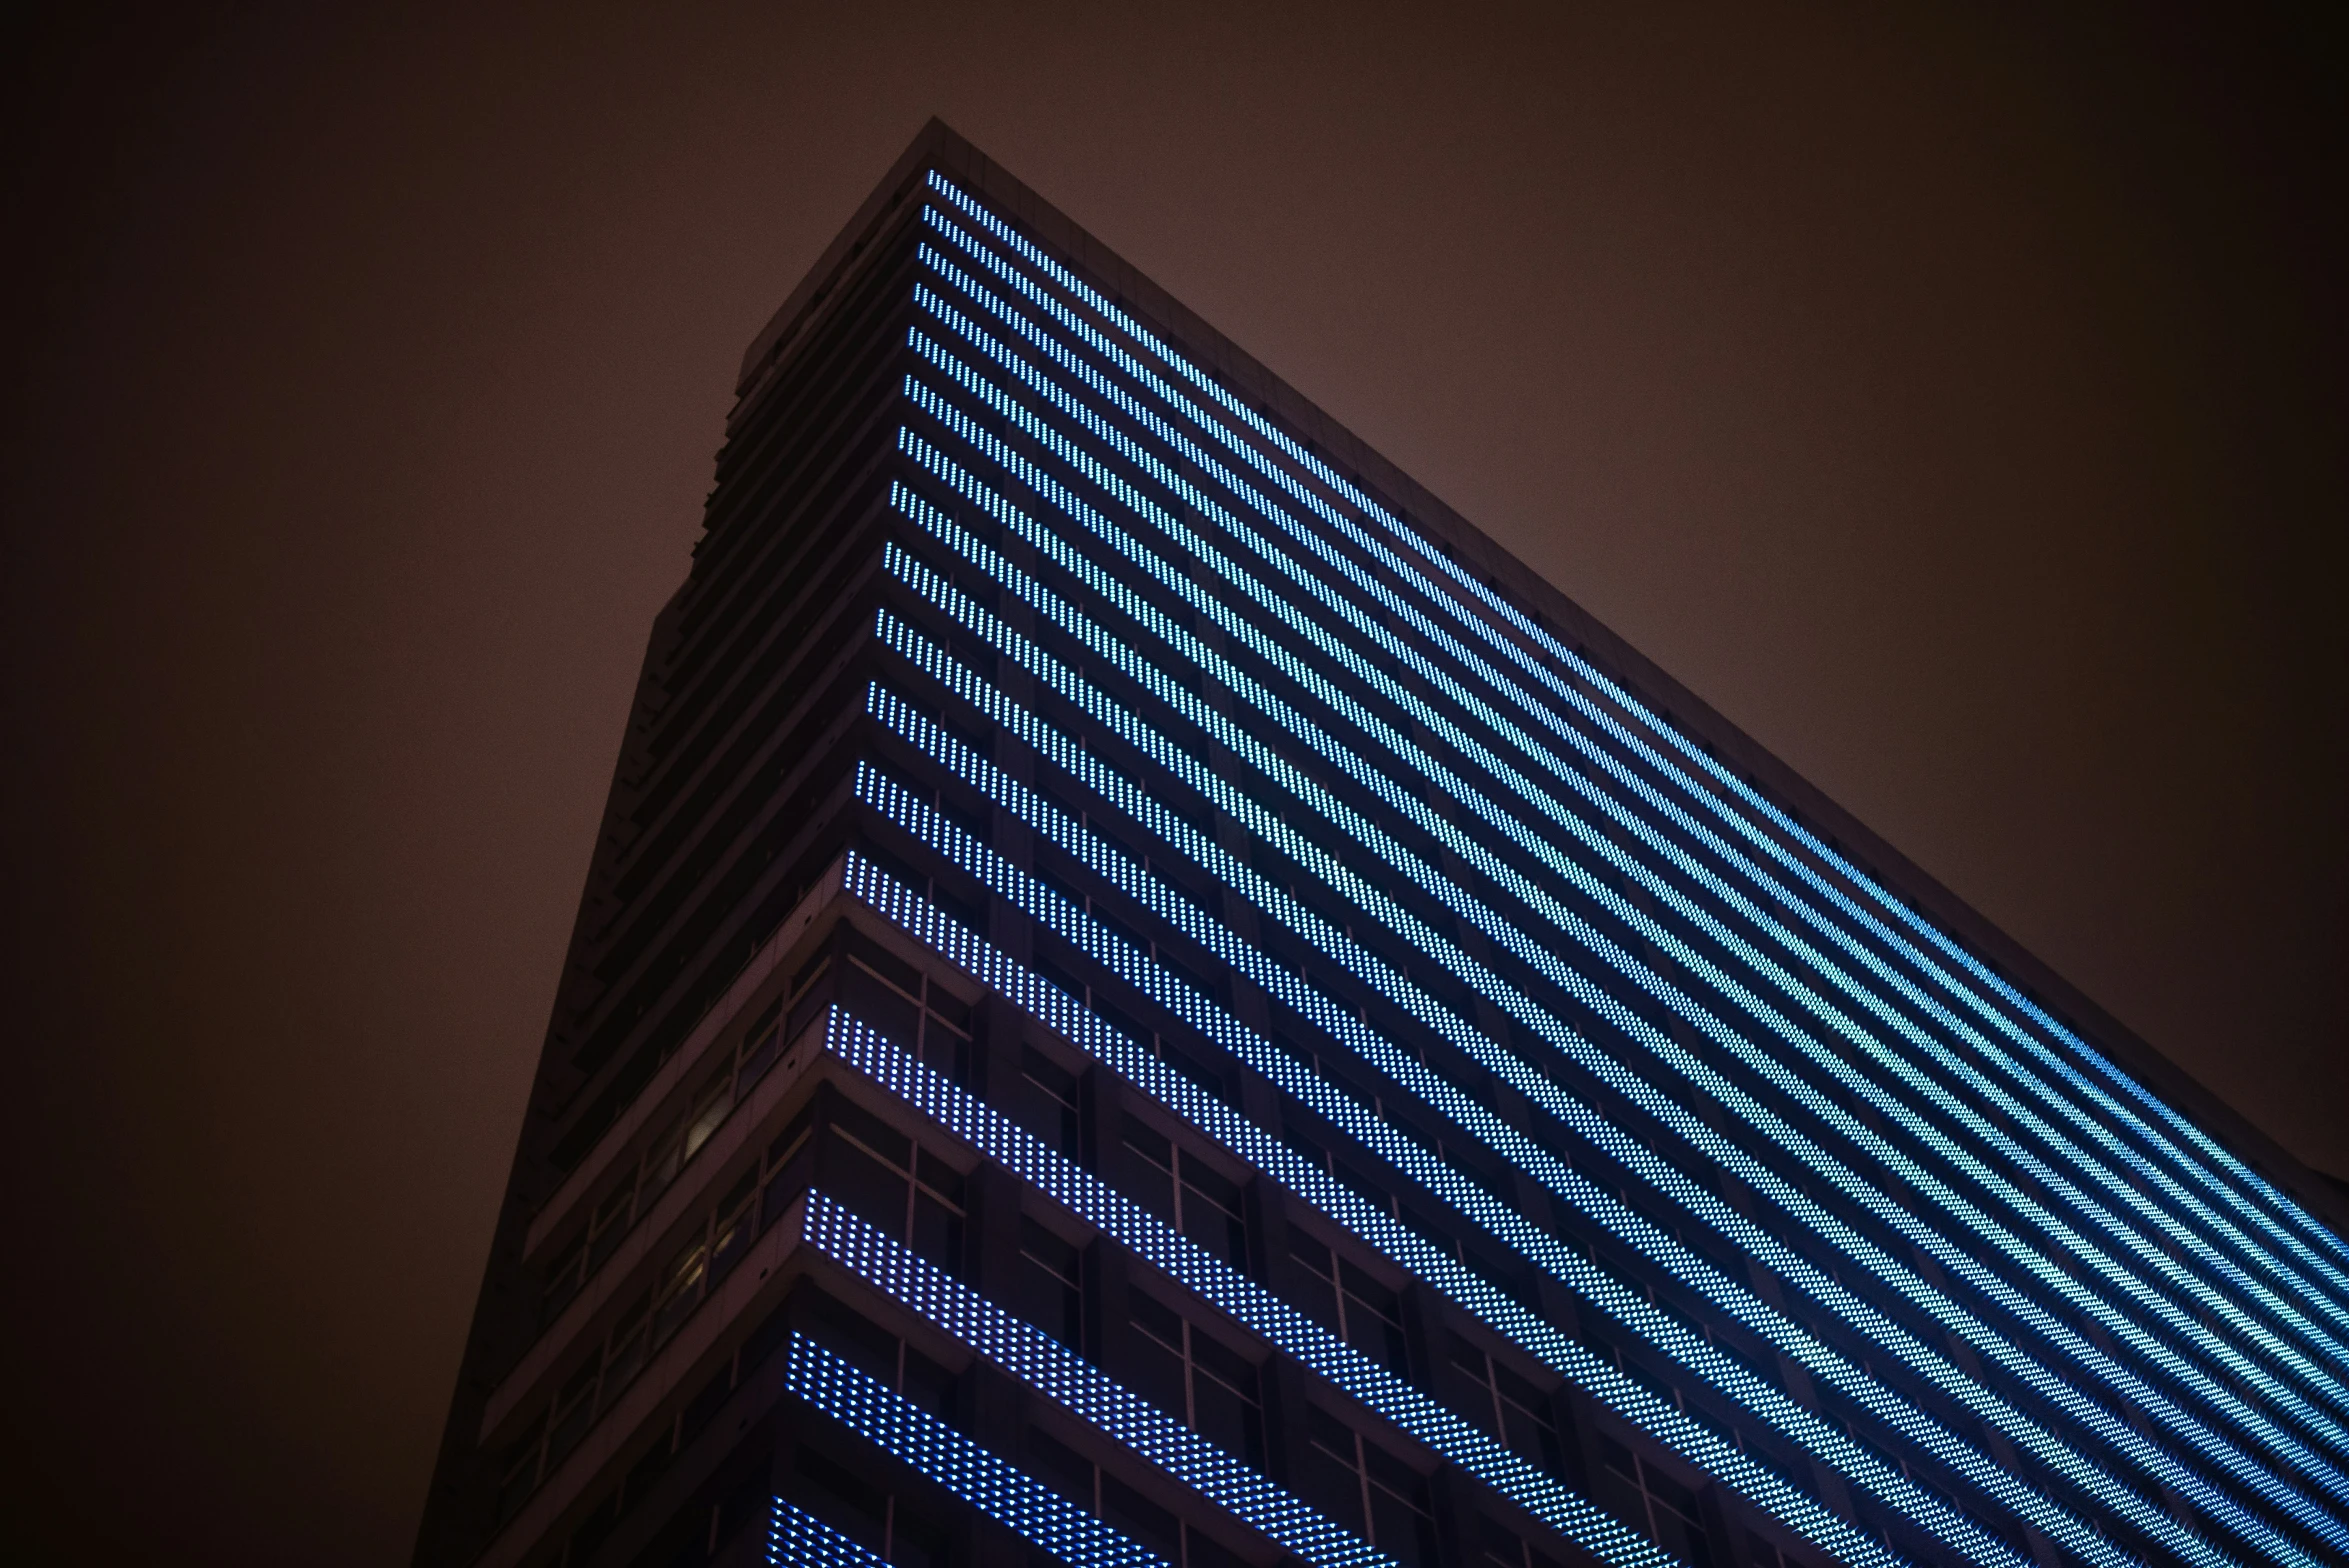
pixel 1810 811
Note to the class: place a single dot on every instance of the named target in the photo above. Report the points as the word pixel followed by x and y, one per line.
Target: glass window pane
pixel 1123 1508
pixel 1332 1479
pixel 890 1011
pixel 937 1232
pixel 1047 1290
pixel 869 1188
pixel 1060 1467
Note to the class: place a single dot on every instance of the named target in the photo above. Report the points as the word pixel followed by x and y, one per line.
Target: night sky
pixel 1956 403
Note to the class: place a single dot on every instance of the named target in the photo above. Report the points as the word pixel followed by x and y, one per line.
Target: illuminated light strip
pixel 1701 1137
pixel 1259 1149
pixel 1511 1145
pixel 2280 1225
pixel 2217 1395
pixel 1588 1279
pixel 1243 1300
pixel 2071 1242
pixel 2330 1351
pixel 798 1539
pixel 2025 1309
pixel 1575 699
pixel 2067 1238
pixel 1369 672
pixel 1059 1374
pixel 1545 1168
pixel 914 1437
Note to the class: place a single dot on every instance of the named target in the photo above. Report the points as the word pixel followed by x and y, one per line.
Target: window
pixel 1176 958
pixel 1365 1314
pixel 1049 1288
pixel 1658 1506
pixel 1210 1387
pixel 635 1189
pixel 1180 1052
pixel 1503 1548
pixel 1763 1555
pixel 1369 1490
pixel 905 1191
pixel 883 1521
pixel 912 1010
pixel 1349 1169
pixel 1043 1099
pixel 1200 1203
pixel 1121 1507
pixel 1145 849
pixel 670 1438
pixel 857 1339
pixel 1509 1407
pixel 967 908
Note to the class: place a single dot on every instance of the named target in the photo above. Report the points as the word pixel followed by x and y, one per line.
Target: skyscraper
pixel 1147 996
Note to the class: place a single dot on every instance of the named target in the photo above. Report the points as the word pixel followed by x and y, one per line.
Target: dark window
pixel 1503 1548
pixel 1049 1288
pixel 912 1011
pixel 1178 1050
pixel 1763 1555
pixel 1191 1196
pixel 1209 1387
pixel 908 1194
pixel 1368 1489
pixel 1118 1505
pixel 1665 1510
pixel 840 1498
pixel 1044 1100
pixel 1509 1407
pixel 1365 1314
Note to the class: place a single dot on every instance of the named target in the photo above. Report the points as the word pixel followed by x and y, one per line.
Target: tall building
pixel 1146 996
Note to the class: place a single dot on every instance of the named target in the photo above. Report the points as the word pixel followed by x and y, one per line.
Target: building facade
pixel 1147 997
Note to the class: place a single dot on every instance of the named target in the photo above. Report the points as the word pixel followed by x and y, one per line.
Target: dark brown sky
pixel 1958 405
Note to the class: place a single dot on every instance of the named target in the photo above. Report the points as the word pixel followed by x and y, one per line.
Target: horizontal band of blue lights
pixel 1158 1244
pixel 2329 1352
pixel 2069 1244
pixel 2217 1395
pixel 914 1437
pixel 1374 675
pixel 2277 1215
pixel 1700 1203
pixel 1243 808
pixel 2070 1240
pixel 798 1539
pixel 1375 1227
pixel 1060 1375
pixel 1602 1207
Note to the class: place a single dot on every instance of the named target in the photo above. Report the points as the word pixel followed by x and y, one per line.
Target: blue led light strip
pixel 2294 1223
pixel 2034 1089
pixel 2050 1273
pixel 914 1437
pixel 1057 1373
pixel 798 1539
pixel 1407 1248
pixel 1507 1142
pixel 1257 1148
pixel 1538 1163
pixel 1371 673
pixel 1230 1292
pixel 1624 1303
pixel 1185 767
